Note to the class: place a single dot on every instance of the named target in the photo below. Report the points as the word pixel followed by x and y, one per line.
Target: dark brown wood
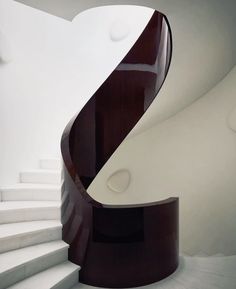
pixel 118 246
pixel 128 248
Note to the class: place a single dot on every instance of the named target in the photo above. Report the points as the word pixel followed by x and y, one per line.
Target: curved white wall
pixel 191 155
pixel 204 47
pixel 204 51
pixel 191 150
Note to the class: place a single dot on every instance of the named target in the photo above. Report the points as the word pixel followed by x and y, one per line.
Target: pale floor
pixel 197 273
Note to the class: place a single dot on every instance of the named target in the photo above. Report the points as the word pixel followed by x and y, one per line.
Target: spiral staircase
pixel 33 255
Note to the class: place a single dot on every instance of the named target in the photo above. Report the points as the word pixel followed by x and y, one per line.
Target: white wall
pixel 190 152
pixel 33 110
pixel 192 156
pixel 55 69
pixel 204 47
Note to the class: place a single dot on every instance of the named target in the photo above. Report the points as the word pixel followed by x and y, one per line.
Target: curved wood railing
pixel 118 246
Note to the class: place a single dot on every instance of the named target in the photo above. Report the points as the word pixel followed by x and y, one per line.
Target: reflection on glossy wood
pixel 118 246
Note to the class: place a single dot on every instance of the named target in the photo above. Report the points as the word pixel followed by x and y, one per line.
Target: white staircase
pixel 32 254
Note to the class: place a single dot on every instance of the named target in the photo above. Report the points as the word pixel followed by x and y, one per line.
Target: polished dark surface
pixel 118 246
pixel 120 101
pixel 138 249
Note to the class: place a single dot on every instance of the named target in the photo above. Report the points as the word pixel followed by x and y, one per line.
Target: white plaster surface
pixel 5 49
pixel 56 69
pixel 50 164
pixel 231 120
pixel 191 156
pixel 119 181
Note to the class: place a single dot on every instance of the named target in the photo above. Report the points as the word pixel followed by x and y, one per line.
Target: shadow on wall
pixel 5 49
pixel 191 155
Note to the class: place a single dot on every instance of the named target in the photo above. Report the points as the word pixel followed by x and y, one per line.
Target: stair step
pixel 20 211
pixel 31 192
pixel 41 177
pixel 22 263
pixel 50 164
pixel 62 276
pixel 18 235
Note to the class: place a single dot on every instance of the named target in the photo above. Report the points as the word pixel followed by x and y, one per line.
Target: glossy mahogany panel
pixel 120 101
pixel 132 247
pixel 119 246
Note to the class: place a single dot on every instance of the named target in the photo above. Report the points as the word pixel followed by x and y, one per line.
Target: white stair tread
pixel 42 171
pixel 21 228
pixel 28 191
pixel 51 164
pixel 30 186
pixel 41 176
pixel 22 234
pixel 18 205
pixel 23 211
pixel 15 258
pixel 48 278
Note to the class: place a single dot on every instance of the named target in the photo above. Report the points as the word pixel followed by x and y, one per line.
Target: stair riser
pixel 62 276
pixel 40 178
pixel 31 214
pixel 29 239
pixel 68 282
pixel 33 267
pixel 29 195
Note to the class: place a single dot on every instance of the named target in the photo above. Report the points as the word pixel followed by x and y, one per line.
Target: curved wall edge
pixel 144 251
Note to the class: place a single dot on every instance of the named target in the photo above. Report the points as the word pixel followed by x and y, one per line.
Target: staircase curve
pixel 118 245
